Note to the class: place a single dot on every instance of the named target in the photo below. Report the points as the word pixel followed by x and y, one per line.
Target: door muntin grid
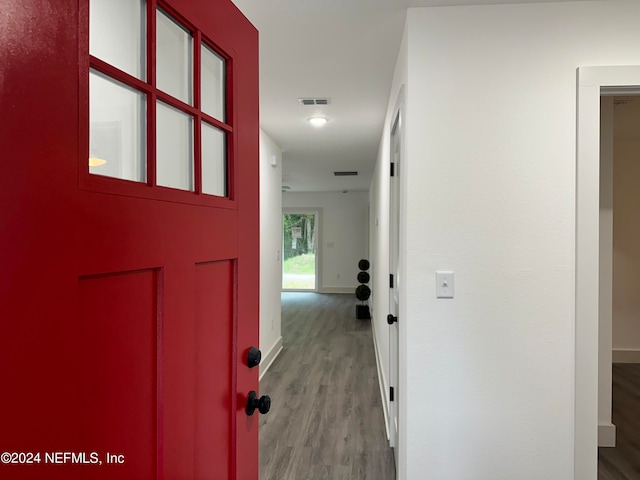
pixel 184 74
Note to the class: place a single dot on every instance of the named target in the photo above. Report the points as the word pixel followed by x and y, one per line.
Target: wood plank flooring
pixel 326 418
pixel 623 461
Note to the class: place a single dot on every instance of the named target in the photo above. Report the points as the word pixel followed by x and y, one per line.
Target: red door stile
pixel 38 135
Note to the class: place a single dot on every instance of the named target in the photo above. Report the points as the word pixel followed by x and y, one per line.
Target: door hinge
pixel 391 392
pixel 393 169
pixel 391 280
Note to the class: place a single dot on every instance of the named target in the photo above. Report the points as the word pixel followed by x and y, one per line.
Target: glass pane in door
pixel 213 83
pixel 117 119
pixel 117 34
pixel 214 161
pixel 174 148
pixel 174 58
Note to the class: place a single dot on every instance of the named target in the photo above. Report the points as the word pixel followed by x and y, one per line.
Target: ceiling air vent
pixel 314 101
pixel 345 174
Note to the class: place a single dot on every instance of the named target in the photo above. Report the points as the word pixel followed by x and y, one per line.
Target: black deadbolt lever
pixel 263 404
pixel 253 357
pixel 391 319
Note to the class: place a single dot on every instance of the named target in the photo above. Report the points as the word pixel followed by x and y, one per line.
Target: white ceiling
pixel 341 49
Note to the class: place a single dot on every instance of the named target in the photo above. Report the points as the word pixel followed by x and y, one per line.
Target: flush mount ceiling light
pixel 318 121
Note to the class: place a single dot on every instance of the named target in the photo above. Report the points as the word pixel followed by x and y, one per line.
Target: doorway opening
pixel 593 82
pixel 300 252
pixel 619 336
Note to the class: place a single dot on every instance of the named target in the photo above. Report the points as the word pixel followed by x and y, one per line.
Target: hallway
pixel 326 418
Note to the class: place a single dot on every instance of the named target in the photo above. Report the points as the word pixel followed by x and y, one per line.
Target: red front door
pixel 129 216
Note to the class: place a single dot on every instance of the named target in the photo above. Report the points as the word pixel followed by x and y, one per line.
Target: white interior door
pixel 395 283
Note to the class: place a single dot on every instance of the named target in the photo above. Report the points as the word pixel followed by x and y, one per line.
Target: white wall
pixel 488 386
pixel 270 251
pixel 626 252
pixel 343 235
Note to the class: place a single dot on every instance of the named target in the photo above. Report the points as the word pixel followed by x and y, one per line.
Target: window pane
pixel 117 34
pixel 117 122
pixel 174 148
pixel 213 84
pixel 214 161
pixel 173 58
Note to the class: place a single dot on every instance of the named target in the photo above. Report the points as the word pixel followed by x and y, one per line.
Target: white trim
pixel 382 381
pixel 621 355
pixel 590 82
pixel 270 357
pixel 606 435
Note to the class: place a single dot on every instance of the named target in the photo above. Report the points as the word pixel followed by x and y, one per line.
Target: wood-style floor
pixel 326 418
pixel 623 461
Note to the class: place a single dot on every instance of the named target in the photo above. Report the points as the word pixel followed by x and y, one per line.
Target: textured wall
pixel 488 388
pixel 270 246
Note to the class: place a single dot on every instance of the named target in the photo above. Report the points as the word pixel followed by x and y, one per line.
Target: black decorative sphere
pixel 363 292
pixel 363 264
pixel 363 277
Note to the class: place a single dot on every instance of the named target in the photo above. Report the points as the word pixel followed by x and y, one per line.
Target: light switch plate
pixel 444 284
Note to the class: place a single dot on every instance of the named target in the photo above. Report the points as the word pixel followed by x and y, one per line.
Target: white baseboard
pixel 270 356
pixel 351 290
pixel 382 382
pixel 606 435
pixel 626 356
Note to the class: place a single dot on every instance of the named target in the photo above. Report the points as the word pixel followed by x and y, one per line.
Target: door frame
pixel 394 290
pixel 593 82
pixel 397 342
pixel 606 429
pixel 318 213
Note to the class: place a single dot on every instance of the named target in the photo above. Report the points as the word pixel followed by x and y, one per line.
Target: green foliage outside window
pixel 304 224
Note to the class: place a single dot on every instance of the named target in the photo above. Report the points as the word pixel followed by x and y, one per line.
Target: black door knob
pixel 253 357
pixel 263 404
pixel 391 319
